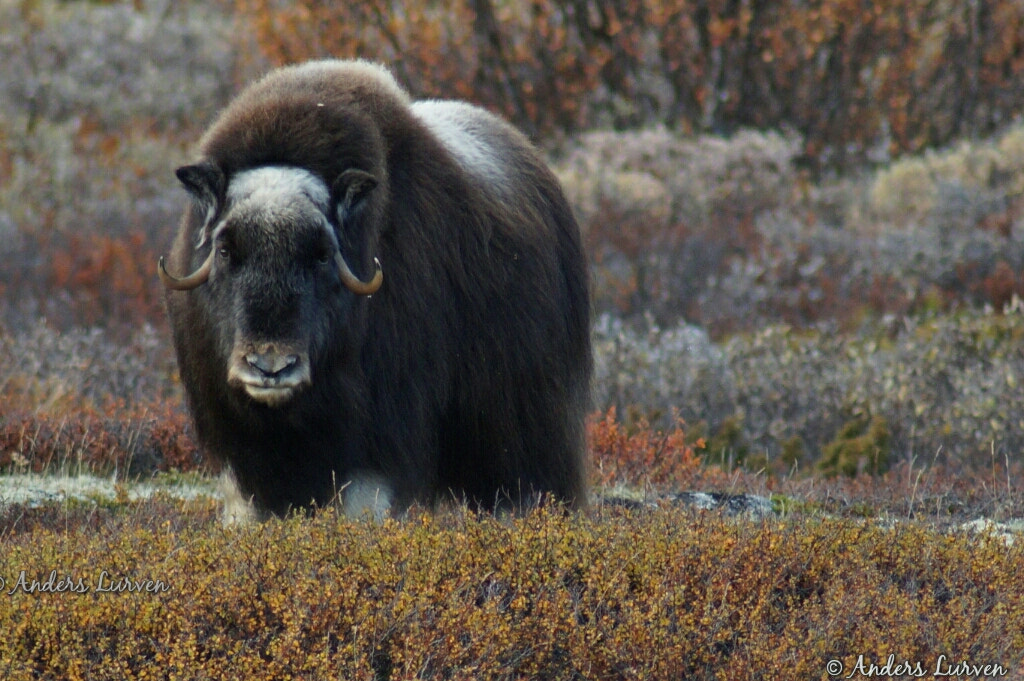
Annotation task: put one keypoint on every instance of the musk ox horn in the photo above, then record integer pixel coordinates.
(189, 282)
(353, 283)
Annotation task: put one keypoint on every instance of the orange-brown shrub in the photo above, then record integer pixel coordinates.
(848, 74)
(89, 208)
(641, 455)
(135, 440)
(110, 279)
(528, 60)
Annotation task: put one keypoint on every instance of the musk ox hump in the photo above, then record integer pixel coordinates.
(356, 73)
(467, 132)
(324, 115)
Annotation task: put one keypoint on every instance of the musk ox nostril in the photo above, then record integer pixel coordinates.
(271, 364)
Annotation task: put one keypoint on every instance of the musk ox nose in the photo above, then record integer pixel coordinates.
(271, 364)
(269, 373)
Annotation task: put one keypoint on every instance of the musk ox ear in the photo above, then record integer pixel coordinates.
(206, 182)
(351, 187)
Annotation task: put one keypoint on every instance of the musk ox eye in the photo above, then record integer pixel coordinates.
(224, 253)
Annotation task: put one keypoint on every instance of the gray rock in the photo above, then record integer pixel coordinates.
(730, 504)
(750, 505)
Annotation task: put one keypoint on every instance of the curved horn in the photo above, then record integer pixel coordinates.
(189, 282)
(353, 283)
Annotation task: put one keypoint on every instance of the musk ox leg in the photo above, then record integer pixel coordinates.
(367, 495)
(238, 509)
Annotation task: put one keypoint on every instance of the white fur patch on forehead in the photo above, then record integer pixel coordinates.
(278, 187)
(464, 130)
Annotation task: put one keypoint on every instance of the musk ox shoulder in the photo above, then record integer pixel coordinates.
(378, 300)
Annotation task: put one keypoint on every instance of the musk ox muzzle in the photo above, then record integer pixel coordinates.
(271, 373)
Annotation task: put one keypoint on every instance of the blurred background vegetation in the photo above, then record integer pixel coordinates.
(804, 219)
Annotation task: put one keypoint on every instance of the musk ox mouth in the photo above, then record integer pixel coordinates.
(269, 374)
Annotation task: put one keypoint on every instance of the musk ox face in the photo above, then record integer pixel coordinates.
(274, 277)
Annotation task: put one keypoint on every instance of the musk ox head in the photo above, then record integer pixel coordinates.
(273, 273)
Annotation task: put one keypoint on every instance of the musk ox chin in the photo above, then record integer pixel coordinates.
(378, 300)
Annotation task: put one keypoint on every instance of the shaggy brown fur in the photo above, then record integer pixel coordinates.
(466, 375)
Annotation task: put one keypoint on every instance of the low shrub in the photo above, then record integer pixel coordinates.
(88, 400)
(128, 442)
(640, 455)
(731, 234)
(45, 368)
(649, 595)
(115, 62)
(947, 387)
(99, 102)
(860, 446)
(662, 213)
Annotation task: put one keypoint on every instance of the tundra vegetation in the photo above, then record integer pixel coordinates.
(805, 226)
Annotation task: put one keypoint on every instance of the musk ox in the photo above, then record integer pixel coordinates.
(378, 299)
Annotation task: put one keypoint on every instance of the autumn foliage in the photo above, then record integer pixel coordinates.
(641, 455)
(110, 279)
(849, 75)
(727, 230)
(127, 440)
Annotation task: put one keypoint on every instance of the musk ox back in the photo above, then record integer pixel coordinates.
(380, 299)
